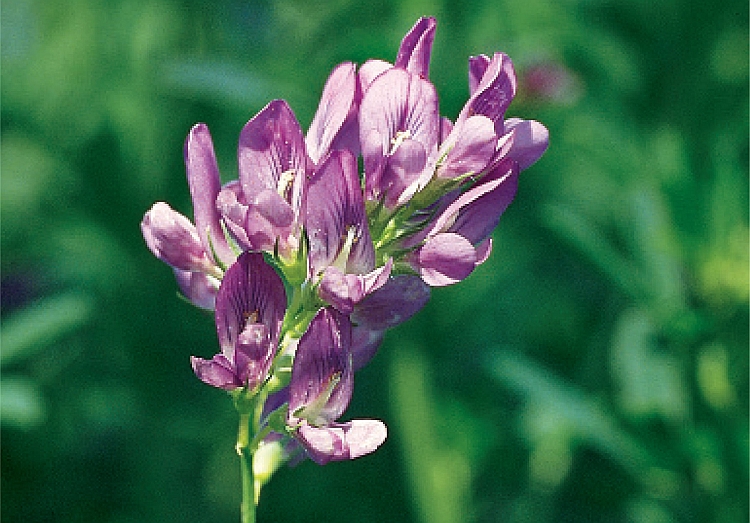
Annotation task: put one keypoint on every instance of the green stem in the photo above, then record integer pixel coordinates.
(246, 467)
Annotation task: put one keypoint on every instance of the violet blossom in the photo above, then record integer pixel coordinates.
(342, 255)
(458, 239)
(357, 252)
(320, 391)
(250, 307)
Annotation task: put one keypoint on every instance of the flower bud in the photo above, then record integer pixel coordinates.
(174, 240)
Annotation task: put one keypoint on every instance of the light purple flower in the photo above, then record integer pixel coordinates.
(320, 391)
(173, 239)
(264, 208)
(203, 179)
(492, 84)
(198, 287)
(341, 251)
(458, 239)
(335, 124)
(250, 307)
(399, 131)
(196, 252)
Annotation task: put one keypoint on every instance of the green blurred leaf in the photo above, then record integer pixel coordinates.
(220, 82)
(34, 328)
(556, 406)
(650, 381)
(439, 475)
(21, 403)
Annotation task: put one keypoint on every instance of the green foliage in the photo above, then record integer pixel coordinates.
(594, 369)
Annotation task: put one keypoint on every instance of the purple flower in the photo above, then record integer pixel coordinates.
(416, 47)
(320, 391)
(173, 239)
(203, 179)
(341, 250)
(250, 307)
(458, 239)
(265, 207)
(492, 84)
(196, 252)
(399, 128)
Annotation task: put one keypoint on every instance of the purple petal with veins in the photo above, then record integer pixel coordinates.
(470, 147)
(251, 292)
(322, 376)
(203, 179)
(416, 47)
(335, 217)
(398, 107)
(336, 102)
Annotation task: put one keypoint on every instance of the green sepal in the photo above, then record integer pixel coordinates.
(244, 399)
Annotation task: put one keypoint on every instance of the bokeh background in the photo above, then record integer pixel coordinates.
(595, 369)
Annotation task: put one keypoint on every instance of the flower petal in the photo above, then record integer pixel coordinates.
(397, 106)
(477, 67)
(172, 238)
(344, 291)
(203, 179)
(494, 92)
(445, 259)
(470, 146)
(530, 142)
(253, 355)
(336, 102)
(365, 343)
(395, 302)
(198, 287)
(216, 372)
(335, 214)
(483, 205)
(342, 441)
(272, 154)
(416, 47)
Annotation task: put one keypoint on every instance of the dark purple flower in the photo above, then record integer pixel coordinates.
(320, 391)
(458, 239)
(250, 307)
(341, 252)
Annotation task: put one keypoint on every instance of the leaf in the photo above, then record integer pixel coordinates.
(37, 326)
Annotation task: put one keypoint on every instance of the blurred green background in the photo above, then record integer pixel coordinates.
(595, 369)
